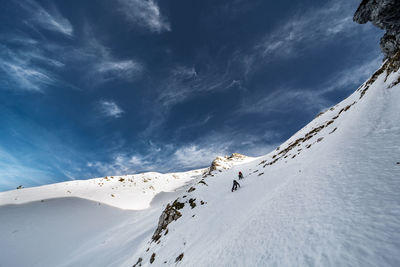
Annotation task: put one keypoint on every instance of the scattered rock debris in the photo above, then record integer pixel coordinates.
(179, 258)
(285, 152)
(152, 258)
(203, 182)
(192, 202)
(138, 263)
(191, 189)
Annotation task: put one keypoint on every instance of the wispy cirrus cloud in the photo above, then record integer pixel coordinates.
(100, 64)
(120, 164)
(32, 62)
(312, 99)
(50, 19)
(185, 82)
(124, 69)
(170, 159)
(311, 28)
(285, 100)
(20, 71)
(25, 64)
(110, 108)
(167, 157)
(14, 172)
(145, 13)
(349, 79)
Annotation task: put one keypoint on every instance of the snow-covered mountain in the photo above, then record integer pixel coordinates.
(96, 222)
(328, 196)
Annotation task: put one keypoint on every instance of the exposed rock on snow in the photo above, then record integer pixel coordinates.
(384, 14)
(328, 196)
(170, 213)
(224, 163)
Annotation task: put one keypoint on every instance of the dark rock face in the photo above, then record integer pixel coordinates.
(169, 214)
(384, 14)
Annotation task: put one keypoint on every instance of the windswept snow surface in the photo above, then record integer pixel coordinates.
(96, 222)
(329, 196)
(133, 192)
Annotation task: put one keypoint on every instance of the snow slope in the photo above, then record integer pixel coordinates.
(134, 192)
(96, 222)
(329, 196)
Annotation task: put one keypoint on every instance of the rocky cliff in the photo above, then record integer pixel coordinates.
(384, 14)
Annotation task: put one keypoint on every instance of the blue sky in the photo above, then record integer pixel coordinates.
(95, 88)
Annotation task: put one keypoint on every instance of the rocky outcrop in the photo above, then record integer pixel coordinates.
(226, 162)
(169, 214)
(384, 14)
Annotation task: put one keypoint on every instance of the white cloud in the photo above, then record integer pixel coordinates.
(285, 100)
(310, 28)
(185, 82)
(165, 158)
(199, 154)
(21, 72)
(194, 156)
(289, 99)
(121, 164)
(102, 64)
(145, 13)
(126, 69)
(184, 72)
(50, 20)
(14, 172)
(136, 160)
(353, 77)
(110, 109)
(28, 66)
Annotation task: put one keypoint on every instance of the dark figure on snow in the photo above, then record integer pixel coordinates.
(235, 185)
(240, 175)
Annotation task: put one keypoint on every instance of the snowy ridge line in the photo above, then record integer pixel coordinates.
(134, 192)
(336, 203)
(131, 192)
(390, 66)
(182, 231)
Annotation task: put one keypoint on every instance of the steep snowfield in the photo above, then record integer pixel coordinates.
(329, 196)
